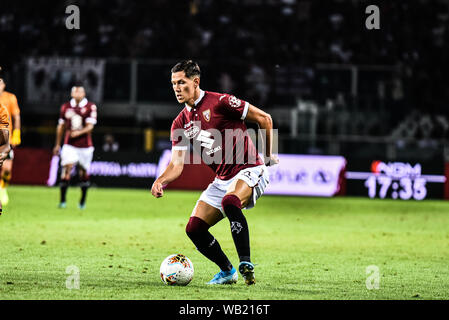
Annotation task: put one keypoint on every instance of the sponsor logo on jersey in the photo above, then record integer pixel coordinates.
(77, 122)
(204, 138)
(191, 132)
(188, 124)
(206, 115)
(212, 151)
(69, 113)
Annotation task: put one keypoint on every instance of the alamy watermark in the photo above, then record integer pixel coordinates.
(73, 280)
(373, 20)
(373, 280)
(73, 20)
(214, 147)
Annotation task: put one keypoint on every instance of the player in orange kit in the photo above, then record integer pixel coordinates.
(9, 100)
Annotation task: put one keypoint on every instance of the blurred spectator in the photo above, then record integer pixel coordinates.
(265, 33)
(256, 80)
(110, 145)
(226, 84)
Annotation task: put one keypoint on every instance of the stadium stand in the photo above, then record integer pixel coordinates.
(279, 58)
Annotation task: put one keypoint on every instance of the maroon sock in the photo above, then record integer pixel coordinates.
(198, 231)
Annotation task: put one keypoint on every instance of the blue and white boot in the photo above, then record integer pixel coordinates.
(225, 277)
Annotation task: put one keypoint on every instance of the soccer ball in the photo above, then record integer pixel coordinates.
(177, 270)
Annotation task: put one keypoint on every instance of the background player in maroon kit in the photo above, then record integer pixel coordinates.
(241, 176)
(76, 122)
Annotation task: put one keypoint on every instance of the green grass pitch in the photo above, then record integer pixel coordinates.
(304, 248)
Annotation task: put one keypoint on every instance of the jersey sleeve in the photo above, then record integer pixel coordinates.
(177, 137)
(14, 105)
(62, 115)
(232, 107)
(92, 118)
(4, 117)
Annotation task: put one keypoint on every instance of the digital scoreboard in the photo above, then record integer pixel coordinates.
(396, 180)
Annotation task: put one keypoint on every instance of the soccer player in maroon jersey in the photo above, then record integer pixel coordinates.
(76, 122)
(214, 123)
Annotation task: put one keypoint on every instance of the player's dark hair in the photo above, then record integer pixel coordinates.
(78, 84)
(190, 68)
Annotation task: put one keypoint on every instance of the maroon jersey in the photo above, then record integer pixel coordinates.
(75, 117)
(216, 129)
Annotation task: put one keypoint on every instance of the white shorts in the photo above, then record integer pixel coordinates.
(255, 177)
(72, 155)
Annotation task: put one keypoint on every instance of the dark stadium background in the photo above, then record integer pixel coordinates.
(362, 94)
(363, 124)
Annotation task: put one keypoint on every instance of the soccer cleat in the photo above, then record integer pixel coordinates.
(247, 271)
(225, 277)
(4, 196)
(62, 205)
(82, 206)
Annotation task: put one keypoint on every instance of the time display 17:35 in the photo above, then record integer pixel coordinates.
(404, 188)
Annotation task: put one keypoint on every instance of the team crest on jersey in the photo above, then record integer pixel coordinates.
(234, 102)
(206, 115)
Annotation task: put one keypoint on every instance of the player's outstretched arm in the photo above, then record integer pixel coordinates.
(171, 173)
(59, 132)
(265, 122)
